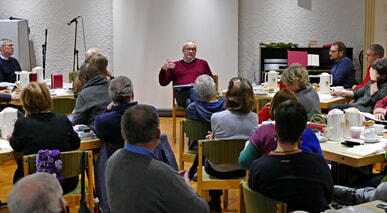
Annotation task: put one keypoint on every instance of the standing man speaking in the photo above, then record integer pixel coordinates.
(184, 72)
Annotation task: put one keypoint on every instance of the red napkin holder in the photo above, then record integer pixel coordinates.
(56, 81)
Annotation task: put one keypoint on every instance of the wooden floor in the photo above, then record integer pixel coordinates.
(7, 169)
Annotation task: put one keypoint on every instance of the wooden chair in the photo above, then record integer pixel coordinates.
(71, 167)
(218, 151)
(195, 131)
(254, 202)
(180, 110)
(63, 105)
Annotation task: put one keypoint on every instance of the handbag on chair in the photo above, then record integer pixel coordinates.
(82, 203)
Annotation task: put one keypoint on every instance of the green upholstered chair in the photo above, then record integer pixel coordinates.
(255, 202)
(218, 151)
(194, 130)
(71, 167)
(63, 105)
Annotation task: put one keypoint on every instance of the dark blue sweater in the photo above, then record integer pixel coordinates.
(8, 68)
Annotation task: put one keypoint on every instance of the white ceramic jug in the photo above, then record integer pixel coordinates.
(325, 83)
(7, 121)
(272, 79)
(39, 72)
(335, 125)
(24, 78)
(353, 117)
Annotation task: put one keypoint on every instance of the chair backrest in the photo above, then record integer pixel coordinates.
(216, 80)
(71, 163)
(222, 151)
(195, 130)
(63, 105)
(255, 202)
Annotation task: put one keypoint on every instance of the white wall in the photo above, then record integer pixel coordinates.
(381, 23)
(291, 21)
(147, 32)
(53, 16)
(258, 21)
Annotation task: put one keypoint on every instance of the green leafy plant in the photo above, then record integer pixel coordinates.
(279, 44)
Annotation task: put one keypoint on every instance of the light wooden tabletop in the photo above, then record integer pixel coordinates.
(6, 152)
(334, 151)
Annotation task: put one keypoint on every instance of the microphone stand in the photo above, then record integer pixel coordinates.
(75, 47)
(44, 49)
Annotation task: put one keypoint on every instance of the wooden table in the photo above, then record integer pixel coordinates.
(60, 93)
(368, 206)
(341, 174)
(333, 151)
(326, 100)
(7, 154)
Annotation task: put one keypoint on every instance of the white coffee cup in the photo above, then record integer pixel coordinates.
(370, 136)
(356, 132)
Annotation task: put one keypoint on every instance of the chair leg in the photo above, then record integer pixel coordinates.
(3, 204)
(225, 198)
(174, 127)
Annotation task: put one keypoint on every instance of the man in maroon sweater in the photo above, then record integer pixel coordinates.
(184, 72)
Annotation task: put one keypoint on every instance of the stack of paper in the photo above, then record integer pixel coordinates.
(365, 150)
(313, 60)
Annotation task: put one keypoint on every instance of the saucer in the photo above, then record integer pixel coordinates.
(375, 140)
(260, 93)
(322, 138)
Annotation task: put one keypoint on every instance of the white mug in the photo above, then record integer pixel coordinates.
(370, 136)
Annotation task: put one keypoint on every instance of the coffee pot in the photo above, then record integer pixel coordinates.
(272, 79)
(39, 73)
(24, 79)
(353, 117)
(7, 121)
(325, 83)
(335, 125)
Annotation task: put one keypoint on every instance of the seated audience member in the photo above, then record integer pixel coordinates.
(367, 96)
(150, 185)
(374, 51)
(93, 98)
(38, 192)
(202, 110)
(343, 71)
(107, 127)
(89, 54)
(299, 178)
(8, 64)
(236, 122)
(101, 62)
(296, 79)
(380, 109)
(42, 129)
(6, 97)
(350, 196)
(183, 72)
(263, 141)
